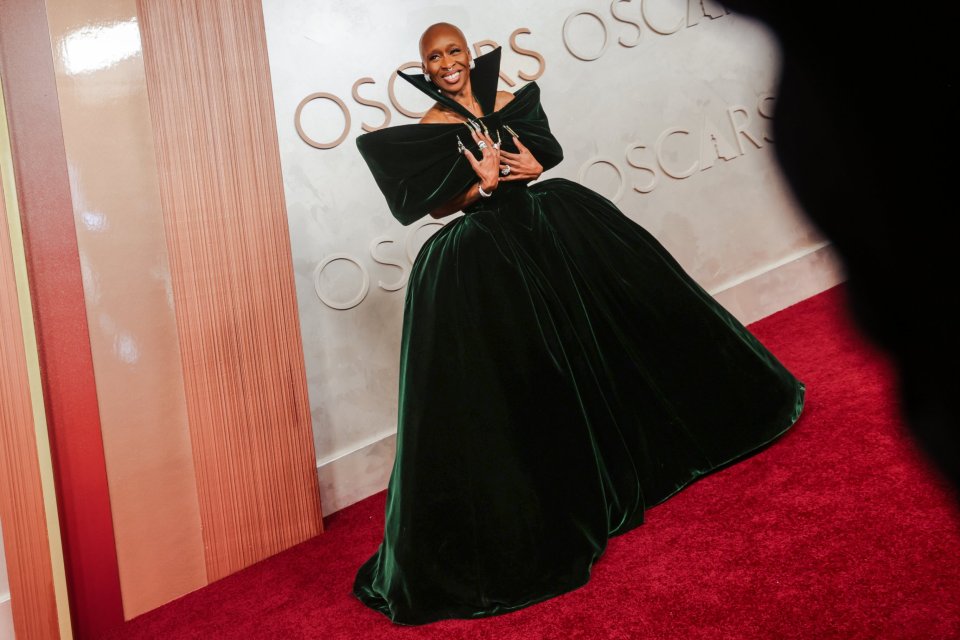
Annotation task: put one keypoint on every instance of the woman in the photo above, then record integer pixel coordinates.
(560, 372)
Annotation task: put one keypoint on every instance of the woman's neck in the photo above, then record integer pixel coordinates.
(466, 99)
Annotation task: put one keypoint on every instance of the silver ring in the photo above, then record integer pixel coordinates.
(481, 145)
(505, 171)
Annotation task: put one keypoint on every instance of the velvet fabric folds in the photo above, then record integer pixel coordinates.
(559, 374)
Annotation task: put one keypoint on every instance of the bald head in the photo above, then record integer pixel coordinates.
(438, 33)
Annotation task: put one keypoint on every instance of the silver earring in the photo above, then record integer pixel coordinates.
(426, 77)
(472, 64)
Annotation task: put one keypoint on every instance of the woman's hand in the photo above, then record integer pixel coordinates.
(488, 167)
(522, 165)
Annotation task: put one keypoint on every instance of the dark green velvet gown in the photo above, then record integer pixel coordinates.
(559, 374)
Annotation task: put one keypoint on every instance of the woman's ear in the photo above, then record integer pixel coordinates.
(472, 63)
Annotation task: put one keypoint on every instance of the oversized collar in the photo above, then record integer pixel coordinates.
(484, 78)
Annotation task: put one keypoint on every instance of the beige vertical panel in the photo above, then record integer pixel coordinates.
(108, 139)
(31, 534)
(223, 202)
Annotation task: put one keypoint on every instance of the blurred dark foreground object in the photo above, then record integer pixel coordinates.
(865, 131)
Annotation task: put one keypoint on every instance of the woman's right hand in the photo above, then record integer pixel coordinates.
(488, 167)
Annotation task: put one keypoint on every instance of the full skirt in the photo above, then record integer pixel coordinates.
(560, 373)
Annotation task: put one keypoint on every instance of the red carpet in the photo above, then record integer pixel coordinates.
(840, 529)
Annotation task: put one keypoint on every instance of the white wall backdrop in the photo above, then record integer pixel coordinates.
(668, 117)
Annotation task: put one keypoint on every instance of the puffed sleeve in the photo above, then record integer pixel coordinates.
(525, 115)
(417, 167)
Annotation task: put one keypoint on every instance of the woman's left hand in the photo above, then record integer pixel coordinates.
(522, 165)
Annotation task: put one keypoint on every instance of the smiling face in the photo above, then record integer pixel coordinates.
(445, 57)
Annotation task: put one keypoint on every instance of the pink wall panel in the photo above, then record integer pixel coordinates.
(108, 139)
(69, 390)
(226, 227)
(21, 493)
